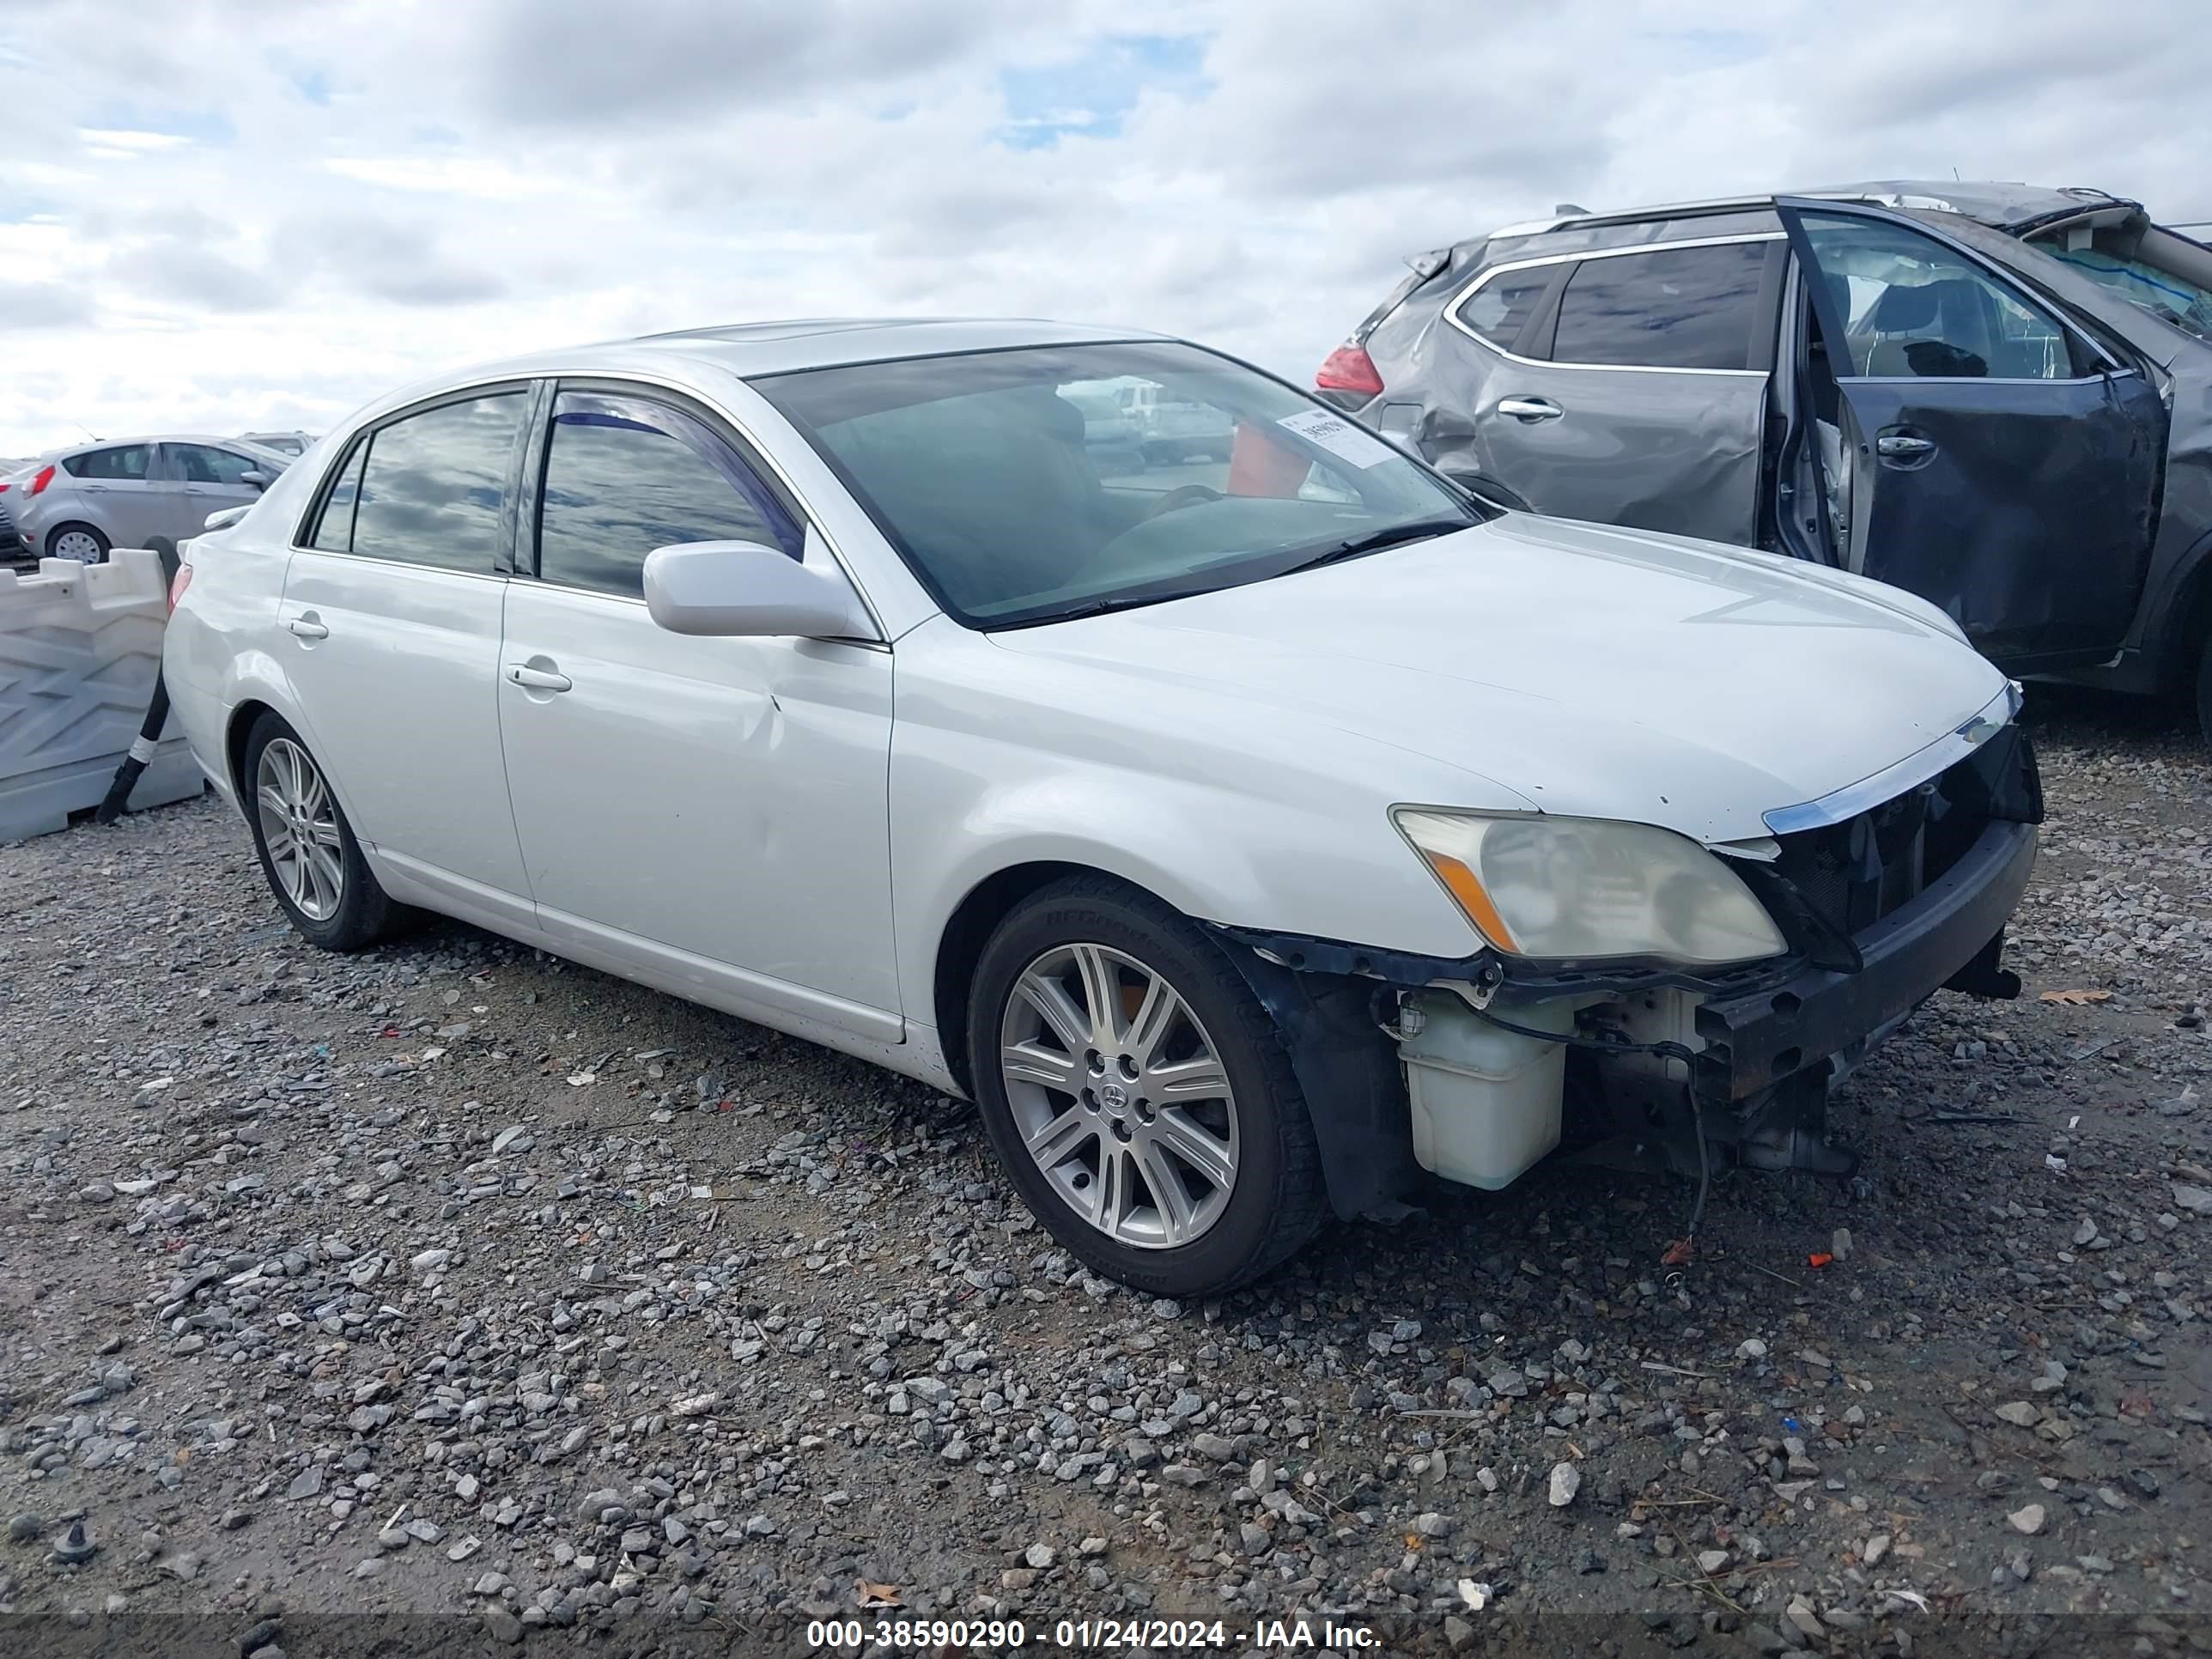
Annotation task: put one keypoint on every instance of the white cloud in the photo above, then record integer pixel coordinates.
(321, 202)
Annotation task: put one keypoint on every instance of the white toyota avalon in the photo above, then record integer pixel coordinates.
(1248, 826)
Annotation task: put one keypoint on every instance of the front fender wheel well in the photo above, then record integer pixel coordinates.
(2189, 630)
(969, 929)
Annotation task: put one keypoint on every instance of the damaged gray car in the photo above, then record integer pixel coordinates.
(1998, 397)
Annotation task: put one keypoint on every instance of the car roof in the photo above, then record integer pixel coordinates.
(74, 450)
(1999, 205)
(755, 349)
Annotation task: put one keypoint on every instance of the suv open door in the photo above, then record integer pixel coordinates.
(1995, 458)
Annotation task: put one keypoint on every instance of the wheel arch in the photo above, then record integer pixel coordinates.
(2188, 622)
(969, 928)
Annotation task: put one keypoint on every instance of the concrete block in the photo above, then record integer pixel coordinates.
(79, 647)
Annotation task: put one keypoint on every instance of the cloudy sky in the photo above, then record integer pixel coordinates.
(219, 216)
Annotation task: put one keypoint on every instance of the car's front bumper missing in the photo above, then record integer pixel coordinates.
(1756, 1039)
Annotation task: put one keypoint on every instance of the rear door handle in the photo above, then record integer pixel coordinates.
(308, 628)
(1530, 408)
(1902, 445)
(538, 679)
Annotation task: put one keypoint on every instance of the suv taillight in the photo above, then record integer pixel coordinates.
(1349, 368)
(178, 584)
(46, 476)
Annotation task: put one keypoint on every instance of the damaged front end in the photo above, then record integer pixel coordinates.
(1474, 1069)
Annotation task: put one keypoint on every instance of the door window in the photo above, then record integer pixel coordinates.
(202, 464)
(626, 475)
(435, 484)
(333, 532)
(1679, 307)
(1502, 306)
(1912, 308)
(125, 462)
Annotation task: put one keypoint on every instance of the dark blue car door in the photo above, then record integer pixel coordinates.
(2000, 461)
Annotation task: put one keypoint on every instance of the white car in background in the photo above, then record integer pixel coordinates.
(1242, 852)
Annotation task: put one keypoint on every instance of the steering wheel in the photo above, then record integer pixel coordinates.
(1181, 495)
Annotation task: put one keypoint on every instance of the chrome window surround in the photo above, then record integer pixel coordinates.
(1460, 299)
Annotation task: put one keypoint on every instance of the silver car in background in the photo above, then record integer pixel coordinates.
(79, 502)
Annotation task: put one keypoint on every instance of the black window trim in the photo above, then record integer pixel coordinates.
(1546, 316)
(529, 544)
(310, 520)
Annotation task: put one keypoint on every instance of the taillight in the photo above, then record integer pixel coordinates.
(178, 584)
(46, 476)
(1349, 368)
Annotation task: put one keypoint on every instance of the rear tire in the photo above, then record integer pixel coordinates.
(1185, 1088)
(75, 534)
(308, 854)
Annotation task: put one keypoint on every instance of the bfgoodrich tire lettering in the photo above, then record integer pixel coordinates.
(1165, 1144)
(308, 854)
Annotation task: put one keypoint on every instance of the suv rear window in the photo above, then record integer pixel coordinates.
(1681, 308)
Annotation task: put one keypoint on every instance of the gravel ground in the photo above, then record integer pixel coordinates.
(449, 1281)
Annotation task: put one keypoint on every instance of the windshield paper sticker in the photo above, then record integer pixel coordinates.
(1340, 437)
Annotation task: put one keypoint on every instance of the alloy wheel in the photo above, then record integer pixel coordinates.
(1119, 1093)
(299, 827)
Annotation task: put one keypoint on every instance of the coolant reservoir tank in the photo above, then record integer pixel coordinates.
(1485, 1101)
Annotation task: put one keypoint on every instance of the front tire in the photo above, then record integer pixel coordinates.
(1136, 1094)
(308, 854)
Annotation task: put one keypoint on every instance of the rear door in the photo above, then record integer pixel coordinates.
(121, 492)
(392, 614)
(1632, 388)
(2001, 463)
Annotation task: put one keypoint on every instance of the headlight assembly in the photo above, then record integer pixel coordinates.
(1585, 888)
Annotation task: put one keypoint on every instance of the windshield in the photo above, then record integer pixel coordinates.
(2171, 298)
(1030, 485)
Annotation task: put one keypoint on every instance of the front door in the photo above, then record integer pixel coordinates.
(391, 621)
(1996, 459)
(714, 808)
(1636, 394)
(198, 479)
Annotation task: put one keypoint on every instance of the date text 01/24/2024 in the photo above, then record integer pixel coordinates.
(1079, 1635)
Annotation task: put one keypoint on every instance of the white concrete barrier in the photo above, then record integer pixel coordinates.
(79, 647)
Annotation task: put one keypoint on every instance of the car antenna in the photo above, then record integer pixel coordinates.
(87, 430)
(1568, 207)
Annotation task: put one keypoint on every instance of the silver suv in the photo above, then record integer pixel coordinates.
(1996, 396)
(140, 492)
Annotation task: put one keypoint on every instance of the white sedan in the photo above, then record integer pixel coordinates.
(1245, 837)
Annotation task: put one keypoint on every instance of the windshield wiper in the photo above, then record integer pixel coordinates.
(1421, 530)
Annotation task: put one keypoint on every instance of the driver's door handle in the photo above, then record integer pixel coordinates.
(1530, 408)
(1902, 445)
(538, 679)
(307, 628)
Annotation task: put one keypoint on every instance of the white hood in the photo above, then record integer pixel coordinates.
(1591, 671)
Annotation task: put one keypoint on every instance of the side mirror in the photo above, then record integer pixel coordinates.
(226, 517)
(258, 479)
(748, 589)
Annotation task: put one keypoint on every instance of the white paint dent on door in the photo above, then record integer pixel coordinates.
(715, 807)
